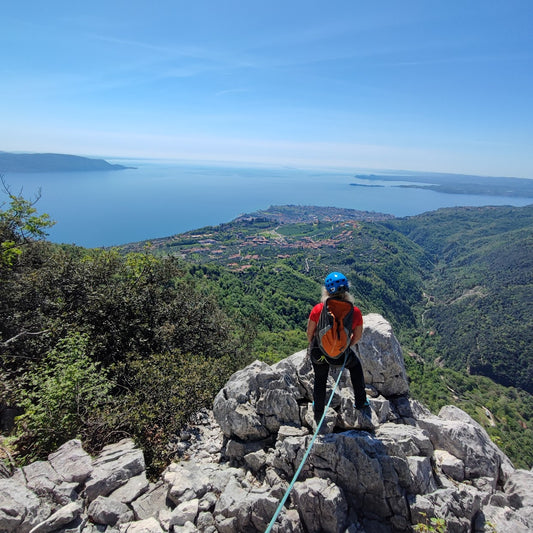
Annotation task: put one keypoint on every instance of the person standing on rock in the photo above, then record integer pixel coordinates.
(336, 288)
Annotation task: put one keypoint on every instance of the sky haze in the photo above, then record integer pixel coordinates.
(430, 85)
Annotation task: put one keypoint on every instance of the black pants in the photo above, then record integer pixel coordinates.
(321, 366)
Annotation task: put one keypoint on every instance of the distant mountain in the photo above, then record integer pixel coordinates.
(457, 184)
(10, 162)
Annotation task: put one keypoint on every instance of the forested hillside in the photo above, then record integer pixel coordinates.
(456, 285)
(480, 289)
(104, 343)
(100, 345)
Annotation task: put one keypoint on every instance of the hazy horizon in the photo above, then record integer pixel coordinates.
(426, 86)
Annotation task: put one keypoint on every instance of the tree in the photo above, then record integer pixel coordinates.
(20, 225)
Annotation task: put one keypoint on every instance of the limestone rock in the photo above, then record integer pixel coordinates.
(457, 433)
(114, 467)
(63, 516)
(457, 507)
(185, 512)
(405, 440)
(71, 462)
(20, 508)
(132, 489)
(369, 477)
(494, 518)
(381, 357)
(154, 500)
(321, 505)
(421, 475)
(519, 488)
(149, 525)
(239, 509)
(255, 402)
(450, 465)
(109, 512)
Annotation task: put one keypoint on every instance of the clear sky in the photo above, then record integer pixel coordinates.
(417, 85)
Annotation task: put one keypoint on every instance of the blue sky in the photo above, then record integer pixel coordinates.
(418, 85)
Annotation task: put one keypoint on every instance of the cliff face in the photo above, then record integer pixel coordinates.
(399, 468)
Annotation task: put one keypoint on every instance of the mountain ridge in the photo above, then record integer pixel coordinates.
(52, 162)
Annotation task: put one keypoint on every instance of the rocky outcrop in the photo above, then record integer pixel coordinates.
(384, 473)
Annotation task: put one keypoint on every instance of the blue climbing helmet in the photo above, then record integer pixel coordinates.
(336, 282)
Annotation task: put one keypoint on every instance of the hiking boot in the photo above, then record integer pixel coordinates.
(328, 423)
(324, 430)
(364, 416)
(362, 406)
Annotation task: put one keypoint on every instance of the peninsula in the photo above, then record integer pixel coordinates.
(455, 184)
(20, 162)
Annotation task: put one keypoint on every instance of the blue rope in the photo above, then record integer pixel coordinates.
(297, 473)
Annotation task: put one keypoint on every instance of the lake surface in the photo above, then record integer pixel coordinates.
(159, 199)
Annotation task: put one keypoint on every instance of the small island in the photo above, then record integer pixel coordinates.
(19, 163)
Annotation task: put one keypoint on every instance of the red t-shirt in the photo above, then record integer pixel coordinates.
(357, 315)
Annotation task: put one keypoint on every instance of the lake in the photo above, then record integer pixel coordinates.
(159, 199)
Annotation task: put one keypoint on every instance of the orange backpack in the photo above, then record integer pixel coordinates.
(334, 327)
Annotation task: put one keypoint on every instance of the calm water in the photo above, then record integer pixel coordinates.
(160, 199)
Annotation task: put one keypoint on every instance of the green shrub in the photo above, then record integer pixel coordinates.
(161, 394)
(63, 392)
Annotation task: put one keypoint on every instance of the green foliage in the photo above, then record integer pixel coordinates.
(273, 346)
(436, 525)
(63, 392)
(162, 393)
(480, 288)
(57, 300)
(19, 225)
(506, 413)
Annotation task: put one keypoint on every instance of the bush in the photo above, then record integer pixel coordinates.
(63, 393)
(162, 392)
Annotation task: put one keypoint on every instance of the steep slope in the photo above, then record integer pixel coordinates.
(481, 288)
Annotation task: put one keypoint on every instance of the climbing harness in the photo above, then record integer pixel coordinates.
(297, 473)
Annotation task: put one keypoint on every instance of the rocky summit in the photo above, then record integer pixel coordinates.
(387, 470)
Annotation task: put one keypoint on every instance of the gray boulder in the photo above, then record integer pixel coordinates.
(457, 507)
(321, 505)
(150, 503)
(131, 490)
(241, 509)
(149, 525)
(71, 462)
(457, 433)
(109, 512)
(450, 465)
(381, 357)
(114, 467)
(45, 481)
(256, 401)
(496, 518)
(519, 488)
(20, 508)
(63, 516)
